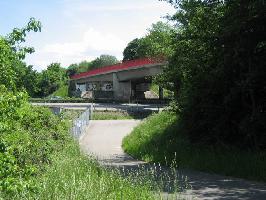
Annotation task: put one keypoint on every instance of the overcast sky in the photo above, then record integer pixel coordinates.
(76, 30)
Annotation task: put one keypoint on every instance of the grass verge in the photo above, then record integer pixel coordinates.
(75, 176)
(159, 139)
(110, 115)
(119, 115)
(70, 174)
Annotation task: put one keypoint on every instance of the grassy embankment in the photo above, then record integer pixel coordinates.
(68, 173)
(73, 175)
(62, 91)
(110, 115)
(119, 115)
(159, 139)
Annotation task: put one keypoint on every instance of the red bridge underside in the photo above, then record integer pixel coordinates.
(118, 67)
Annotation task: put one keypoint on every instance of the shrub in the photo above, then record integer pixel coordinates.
(28, 136)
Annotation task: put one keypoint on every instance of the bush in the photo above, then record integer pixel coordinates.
(28, 137)
(160, 138)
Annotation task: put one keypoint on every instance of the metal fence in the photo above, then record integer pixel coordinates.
(80, 124)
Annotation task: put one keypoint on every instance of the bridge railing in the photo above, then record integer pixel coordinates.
(80, 124)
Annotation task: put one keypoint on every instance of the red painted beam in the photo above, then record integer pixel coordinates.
(118, 67)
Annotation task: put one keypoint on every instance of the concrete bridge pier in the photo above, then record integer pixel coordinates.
(121, 89)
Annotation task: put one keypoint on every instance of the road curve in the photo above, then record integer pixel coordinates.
(104, 139)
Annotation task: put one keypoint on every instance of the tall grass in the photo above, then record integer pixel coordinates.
(75, 176)
(159, 139)
(71, 174)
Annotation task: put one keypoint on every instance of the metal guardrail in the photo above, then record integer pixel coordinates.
(80, 124)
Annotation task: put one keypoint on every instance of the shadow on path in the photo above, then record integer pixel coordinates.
(104, 137)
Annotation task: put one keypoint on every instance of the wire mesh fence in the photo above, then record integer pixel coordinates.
(80, 124)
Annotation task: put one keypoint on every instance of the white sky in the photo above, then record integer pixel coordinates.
(76, 30)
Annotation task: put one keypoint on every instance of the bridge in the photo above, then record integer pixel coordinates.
(124, 81)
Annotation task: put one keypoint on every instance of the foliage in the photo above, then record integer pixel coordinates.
(72, 70)
(159, 39)
(157, 42)
(28, 137)
(18, 36)
(160, 138)
(166, 93)
(8, 59)
(135, 49)
(102, 61)
(15, 74)
(217, 70)
(51, 79)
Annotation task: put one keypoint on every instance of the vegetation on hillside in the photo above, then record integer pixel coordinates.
(38, 157)
(216, 52)
(218, 71)
(160, 138)
(73, 175)
(28, 135)
(62, 91)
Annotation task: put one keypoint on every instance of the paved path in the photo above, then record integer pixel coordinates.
(104, 137)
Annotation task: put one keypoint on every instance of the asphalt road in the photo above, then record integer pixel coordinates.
(104, 137)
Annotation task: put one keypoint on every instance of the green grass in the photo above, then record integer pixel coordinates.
(70, 114)
(119, 115)
(159, 139)
(166, 93)
(75, 176)
(110, 115)
(62, 91)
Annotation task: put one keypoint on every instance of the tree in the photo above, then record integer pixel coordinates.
(135, 49)
(156, 43)
(51, 79)
(217, 70)
(29, 79)
(103, 60)
(8, 59)
(17, 36)
(72, 70)
(159, 40)
(12, 54)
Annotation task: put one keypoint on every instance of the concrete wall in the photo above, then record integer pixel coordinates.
(122, 90)
(121, 80)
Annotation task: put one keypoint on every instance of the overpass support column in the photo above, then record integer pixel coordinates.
(160, 92)
(116, 86)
